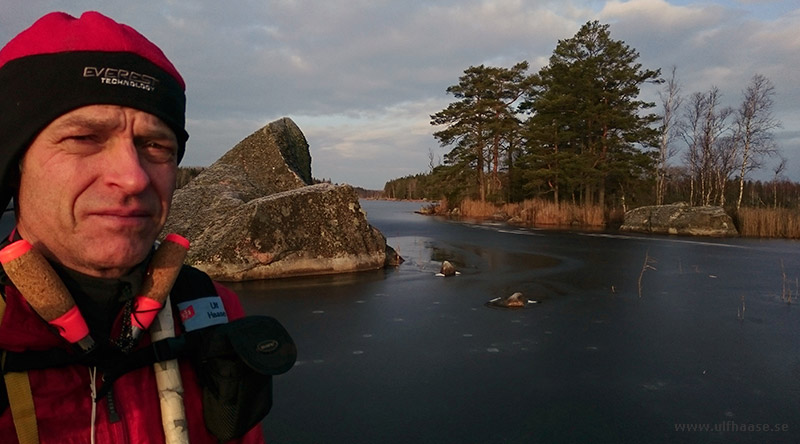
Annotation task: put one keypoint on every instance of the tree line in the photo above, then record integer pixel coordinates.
(577, 131)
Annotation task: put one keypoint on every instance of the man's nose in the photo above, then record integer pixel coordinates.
(124, 167)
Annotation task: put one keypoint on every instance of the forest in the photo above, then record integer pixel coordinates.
(577, 132)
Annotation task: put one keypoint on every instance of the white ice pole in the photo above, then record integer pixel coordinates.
(168, 380)
(164, 269)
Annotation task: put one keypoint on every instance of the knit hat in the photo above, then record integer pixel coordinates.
(62, 63)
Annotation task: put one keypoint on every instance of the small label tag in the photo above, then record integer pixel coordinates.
(187, 313)
(203, 312)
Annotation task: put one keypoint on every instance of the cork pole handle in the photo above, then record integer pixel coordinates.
(45, 292)
(161, 276)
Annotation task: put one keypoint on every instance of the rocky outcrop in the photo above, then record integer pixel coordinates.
(252, 214)
(680, 219)
(272, 159)
(293, 147)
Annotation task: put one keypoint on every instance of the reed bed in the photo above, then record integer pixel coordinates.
(769, 222)
(536, 213)
(752, 222)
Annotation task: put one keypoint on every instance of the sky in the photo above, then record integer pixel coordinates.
(362, 77)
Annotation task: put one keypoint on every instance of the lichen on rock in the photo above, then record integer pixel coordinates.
(254, 215)
(680, 219)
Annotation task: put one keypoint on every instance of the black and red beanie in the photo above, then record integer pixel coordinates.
(62, 63)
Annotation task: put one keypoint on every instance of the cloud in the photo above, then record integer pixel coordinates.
(361, 143)
(361, 77)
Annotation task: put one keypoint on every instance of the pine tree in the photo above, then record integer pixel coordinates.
(586, 122)
(482, 125)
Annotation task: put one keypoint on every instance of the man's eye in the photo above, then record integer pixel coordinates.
(159, 153)
(81, 143)
(82, 138)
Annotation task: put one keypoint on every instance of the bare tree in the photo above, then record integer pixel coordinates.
(704, 130)
(725, 163)
(706, 133)
(778, 170)
(715, 157)
(671, 102)
(431, 164)
(754, 126)
(690, 131)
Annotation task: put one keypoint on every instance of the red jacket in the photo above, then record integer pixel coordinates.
(62, 396)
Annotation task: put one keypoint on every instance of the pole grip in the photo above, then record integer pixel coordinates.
(161, 275)
(39, 284)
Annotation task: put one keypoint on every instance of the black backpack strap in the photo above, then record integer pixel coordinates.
(191, 284)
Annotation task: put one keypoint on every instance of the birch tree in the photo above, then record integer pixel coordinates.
(754, 126)
(706, 132)
(670, 101)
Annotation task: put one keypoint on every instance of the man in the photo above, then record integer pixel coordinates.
(91, 133)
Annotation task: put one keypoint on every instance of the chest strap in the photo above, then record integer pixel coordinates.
(113, 364)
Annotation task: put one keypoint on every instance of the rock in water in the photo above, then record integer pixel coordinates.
(680, 219)
(252, 214)
(393, 258)
(516, 300)
(447, 269)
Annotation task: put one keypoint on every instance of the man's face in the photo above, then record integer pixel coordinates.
(96, 186)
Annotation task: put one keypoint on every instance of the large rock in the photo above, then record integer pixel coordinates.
(272, 159)
(251, 215)
(680, 219)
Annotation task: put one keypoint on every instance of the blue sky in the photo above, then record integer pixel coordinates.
(362, 77)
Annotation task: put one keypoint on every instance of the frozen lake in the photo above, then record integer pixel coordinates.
(399, 356)
(402, 356)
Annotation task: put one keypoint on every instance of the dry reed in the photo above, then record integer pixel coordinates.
(536, 213)
(740, 310)
(753, 222)
(786, 292)
(647, 265)
(769, 222)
